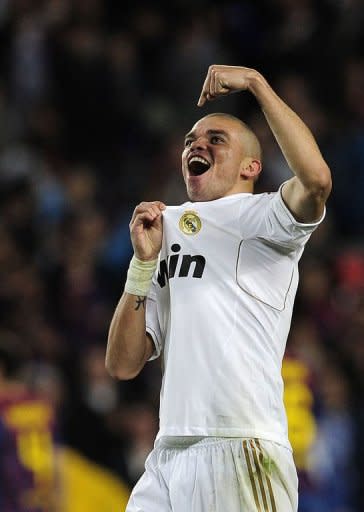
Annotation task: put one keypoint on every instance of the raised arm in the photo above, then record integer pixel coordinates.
(306, 193)
(128, 346)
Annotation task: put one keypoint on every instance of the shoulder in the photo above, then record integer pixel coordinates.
(233, 206)
(226, 201)
(256, 203)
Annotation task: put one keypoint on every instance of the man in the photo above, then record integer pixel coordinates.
(28, 480)
(218, 308)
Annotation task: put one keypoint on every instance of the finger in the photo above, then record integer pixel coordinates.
(156, 210)
(222, 85)
(202, 98)
(144, 206)
(140, 210)
(204, 92)
(205, 89)
(211, 98)
(157, 223)
(216, 83)
(141, 207)
(137, 209)
(142, 219)
(160, 205)
(212, 90)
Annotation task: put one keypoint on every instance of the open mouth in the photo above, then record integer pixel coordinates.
(198, 165)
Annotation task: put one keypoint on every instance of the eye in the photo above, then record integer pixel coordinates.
(216, 139)
(188, 142)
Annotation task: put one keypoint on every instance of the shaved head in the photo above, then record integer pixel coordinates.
(251, 143)
(221, 157)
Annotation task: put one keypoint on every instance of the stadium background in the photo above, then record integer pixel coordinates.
(95, 96)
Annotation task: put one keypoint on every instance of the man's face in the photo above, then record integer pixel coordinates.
(212, 159)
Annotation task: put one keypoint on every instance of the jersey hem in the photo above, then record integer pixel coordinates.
(292, 217)
(157, 347)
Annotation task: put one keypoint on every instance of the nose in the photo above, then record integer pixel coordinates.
(199, 143)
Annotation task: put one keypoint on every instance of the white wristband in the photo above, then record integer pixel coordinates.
(140, 276)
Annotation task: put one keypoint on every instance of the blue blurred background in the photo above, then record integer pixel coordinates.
(95, 96)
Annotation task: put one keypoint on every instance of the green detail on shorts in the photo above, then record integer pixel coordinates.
(268, 464)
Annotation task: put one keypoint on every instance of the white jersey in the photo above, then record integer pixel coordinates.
(219, 311)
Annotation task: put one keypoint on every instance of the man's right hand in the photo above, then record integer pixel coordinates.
(146, 230)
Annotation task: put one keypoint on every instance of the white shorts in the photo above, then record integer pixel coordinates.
(216, 475)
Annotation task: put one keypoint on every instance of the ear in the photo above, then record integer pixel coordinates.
(250, 168)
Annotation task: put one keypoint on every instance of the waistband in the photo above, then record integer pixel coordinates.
(181, 442)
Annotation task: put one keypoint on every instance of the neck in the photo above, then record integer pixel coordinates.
(245, 186)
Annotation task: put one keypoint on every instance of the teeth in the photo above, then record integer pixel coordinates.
(199, 159)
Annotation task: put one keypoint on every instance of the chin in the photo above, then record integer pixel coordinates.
(194, 198)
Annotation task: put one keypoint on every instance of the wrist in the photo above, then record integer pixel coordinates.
(140, 275)
(144, 259)
(256, 83)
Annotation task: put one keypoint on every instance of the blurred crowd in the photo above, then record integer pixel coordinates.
(95, 96)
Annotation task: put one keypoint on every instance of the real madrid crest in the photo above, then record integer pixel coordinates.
(190, 223)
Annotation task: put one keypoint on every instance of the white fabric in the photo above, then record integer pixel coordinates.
(234, 475)
(223, 335)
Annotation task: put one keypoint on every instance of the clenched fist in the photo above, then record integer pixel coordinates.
(146, 230)
(224, 80)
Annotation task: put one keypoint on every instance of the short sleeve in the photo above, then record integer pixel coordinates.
(152, 322)
(281, 227)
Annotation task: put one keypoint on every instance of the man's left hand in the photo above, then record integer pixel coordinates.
(224, 80)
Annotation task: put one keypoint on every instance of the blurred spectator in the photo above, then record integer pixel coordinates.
(27, 437)
(140, 430)
(332, 475)
(88, 425)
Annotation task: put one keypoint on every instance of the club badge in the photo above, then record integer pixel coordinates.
(190, 223)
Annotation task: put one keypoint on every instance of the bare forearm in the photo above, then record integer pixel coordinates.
(127, 347)
(305, 193)
(293, 136)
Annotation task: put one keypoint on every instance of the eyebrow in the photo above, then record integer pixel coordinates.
(209, 132)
